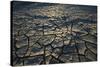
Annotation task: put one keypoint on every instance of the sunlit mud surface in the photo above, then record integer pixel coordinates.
(45, 33)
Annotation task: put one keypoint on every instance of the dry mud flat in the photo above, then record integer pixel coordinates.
(53, 33)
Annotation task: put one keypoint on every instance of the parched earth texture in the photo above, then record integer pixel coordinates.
(48, 33)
